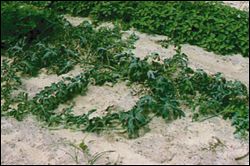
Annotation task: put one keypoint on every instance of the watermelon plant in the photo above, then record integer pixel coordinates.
(33, 23)
(104, 57)
(210, 25)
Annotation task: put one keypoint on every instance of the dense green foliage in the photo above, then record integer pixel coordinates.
(18, 21)
(211, 25)
(105, 57)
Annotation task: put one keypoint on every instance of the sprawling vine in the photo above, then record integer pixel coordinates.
(105, 57)
(211, 25)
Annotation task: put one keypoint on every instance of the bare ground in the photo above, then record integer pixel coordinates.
(241, 5)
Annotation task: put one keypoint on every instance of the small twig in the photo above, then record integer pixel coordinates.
(213, 116)
(241, 157)
(209, 117)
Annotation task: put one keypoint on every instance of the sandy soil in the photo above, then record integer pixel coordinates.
(242, 5)
(118, 97)
(179, 142)
(75, 21)
(36, 84)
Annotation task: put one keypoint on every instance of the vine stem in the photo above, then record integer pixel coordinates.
(241, 157)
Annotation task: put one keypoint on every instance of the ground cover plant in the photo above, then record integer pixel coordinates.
(105, 57)
(211, 25)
